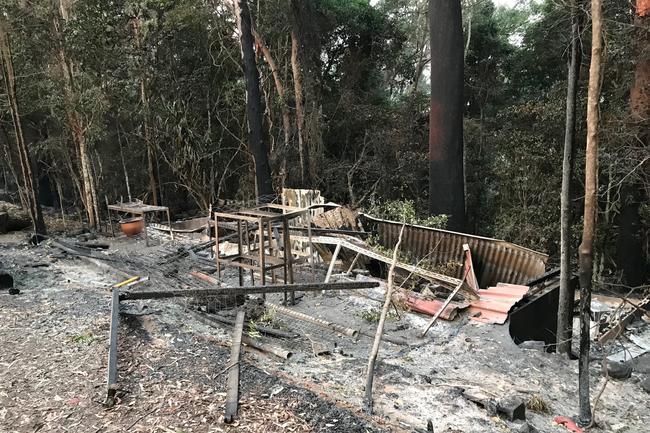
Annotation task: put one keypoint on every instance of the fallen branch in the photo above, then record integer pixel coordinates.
(380, 327)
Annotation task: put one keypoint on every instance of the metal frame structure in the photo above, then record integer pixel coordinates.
(263, 223)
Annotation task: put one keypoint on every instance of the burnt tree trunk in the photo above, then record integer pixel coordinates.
(303, 151)
(306, 52)
(446, 174)
(565, 307)
(630, 257)
(586, 250)
(284, 106)
(253, 104)
(30, 185)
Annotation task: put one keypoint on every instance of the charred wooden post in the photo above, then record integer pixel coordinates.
(232, 396)
(111, 382)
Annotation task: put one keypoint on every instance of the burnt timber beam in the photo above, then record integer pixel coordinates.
(246, 290)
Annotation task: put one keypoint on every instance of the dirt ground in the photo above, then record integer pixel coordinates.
(54, 348)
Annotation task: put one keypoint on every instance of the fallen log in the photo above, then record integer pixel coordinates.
(232, 395)
(248, 341)
(13, 217)
(266, 348)
(314, 320)
(246, 290)
(100, 262)
(213, 319)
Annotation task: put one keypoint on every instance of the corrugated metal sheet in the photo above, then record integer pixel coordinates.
(494, 260)
(432, 307)
(495, 303)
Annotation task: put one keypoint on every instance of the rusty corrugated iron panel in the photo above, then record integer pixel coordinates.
(432, 307)
(495, 303)
(494, 260)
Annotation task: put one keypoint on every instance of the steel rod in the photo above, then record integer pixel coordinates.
(229, 291)
(232, 395)
(111, 382)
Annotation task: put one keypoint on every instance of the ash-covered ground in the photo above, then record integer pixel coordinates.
(53, 360)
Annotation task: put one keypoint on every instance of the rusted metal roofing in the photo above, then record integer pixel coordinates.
(494, 303)
(494, 260)
(432, 307)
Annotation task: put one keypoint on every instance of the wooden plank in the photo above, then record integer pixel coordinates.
(332, 263)
(236, 217)
(447, 281)
(232, 395)
(111, 380)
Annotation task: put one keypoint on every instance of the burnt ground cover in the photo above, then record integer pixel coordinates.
(53, 361)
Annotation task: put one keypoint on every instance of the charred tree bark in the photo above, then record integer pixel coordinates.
(306, 52)
(30, 184)
(630, 257)
(284, 107)
(565, 307)
(303, 151)
(586, 250)
(446, 174)
(253, 103)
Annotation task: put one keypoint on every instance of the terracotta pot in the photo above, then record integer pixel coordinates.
(132, 226)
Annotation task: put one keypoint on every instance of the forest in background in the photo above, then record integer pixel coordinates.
(146, 99)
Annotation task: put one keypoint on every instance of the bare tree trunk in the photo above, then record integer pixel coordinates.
(30, 184)
(565, 307)
(12, 168)
(253, 103)
(152, 158)
(279, 87)
(586, 250)
(446, 174)
(303, 152)
(126, 173)
(75, 121)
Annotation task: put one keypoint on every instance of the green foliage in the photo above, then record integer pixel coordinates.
(253, 332)
(373, 314)
(83, 339)
(404, 211)
(366, 93)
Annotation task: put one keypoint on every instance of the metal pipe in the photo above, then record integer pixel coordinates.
(111, 380)
(246, 290)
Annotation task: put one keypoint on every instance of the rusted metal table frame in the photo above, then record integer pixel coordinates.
(262, 221)
(141, 210)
